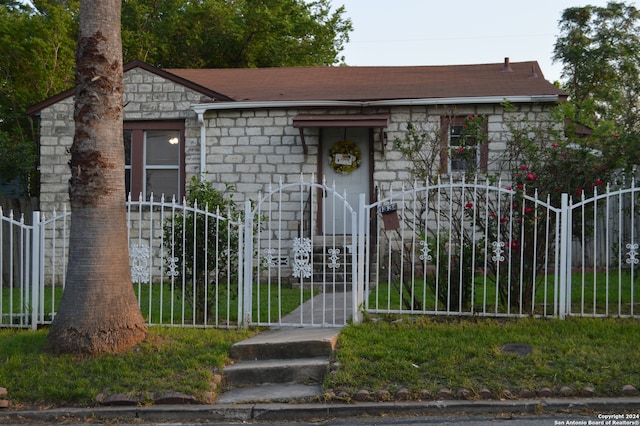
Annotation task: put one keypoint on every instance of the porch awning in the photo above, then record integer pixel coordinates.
(377, 121)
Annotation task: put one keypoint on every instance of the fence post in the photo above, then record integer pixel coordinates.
(565, 244)
(35, 276)
(244, 297)
(358, 291)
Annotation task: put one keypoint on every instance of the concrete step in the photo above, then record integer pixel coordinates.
(284, 392)
(248, 373)
(279, 365)
(287, 343)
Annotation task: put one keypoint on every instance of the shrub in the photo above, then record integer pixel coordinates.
(204, 247)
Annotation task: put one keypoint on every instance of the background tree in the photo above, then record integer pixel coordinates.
(98, 312)
(38, 38)
(599, 48)
(37, 45)
(233, 34)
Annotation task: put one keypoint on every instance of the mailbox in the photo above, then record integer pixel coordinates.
(390, 216)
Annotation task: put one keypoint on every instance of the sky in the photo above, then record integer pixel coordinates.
(453, 32)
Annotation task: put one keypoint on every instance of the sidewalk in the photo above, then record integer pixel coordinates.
(321, 411)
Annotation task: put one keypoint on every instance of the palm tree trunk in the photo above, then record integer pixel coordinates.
(98, 312)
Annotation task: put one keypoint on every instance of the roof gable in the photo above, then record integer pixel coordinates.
(212, 94)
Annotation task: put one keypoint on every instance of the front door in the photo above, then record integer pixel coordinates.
(345, 163)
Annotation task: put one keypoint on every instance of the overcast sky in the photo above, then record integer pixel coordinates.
(437, 32)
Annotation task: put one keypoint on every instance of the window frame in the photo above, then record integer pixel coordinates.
(482, 149)
(138, 167)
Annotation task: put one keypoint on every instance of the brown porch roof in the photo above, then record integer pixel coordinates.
(379, 121)
(341, 120)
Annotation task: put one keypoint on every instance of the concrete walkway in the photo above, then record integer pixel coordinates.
(323, 310)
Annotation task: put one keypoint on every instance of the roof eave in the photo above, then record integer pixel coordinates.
(201, 108)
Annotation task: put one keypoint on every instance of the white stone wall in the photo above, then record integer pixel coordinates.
(249, 149)
(147, 97)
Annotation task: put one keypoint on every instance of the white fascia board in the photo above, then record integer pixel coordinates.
(202, 108)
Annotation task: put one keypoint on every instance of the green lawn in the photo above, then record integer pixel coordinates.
(170, 359)
(430, 353)
(387, 353)
(160, 308)
(615, 295)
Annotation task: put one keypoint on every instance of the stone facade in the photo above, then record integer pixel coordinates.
(247, 148)
(147, 97)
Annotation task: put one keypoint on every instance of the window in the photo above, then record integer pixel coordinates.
(464, 149)
(154, 162)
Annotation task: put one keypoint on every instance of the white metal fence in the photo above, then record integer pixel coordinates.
(455, 248)
(472, 248)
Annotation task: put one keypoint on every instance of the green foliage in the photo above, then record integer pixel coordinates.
(204, 247)
(540, 157)
(233, 34)
(17, 161)
(599, 48)
(37, 48)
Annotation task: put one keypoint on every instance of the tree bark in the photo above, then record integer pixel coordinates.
(98, 312)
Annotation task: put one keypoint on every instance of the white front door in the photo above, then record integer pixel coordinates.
(345, 163)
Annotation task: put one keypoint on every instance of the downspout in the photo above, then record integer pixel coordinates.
(203, 144)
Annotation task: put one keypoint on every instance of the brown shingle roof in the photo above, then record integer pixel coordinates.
(372, 83)
(352, 83)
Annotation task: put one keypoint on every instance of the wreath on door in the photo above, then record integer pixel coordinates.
(344, 157)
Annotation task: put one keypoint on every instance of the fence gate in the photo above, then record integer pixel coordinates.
(295, 275)
(603, 274)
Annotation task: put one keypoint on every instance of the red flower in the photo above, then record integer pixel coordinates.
(598, 182)
(460, 150)
(468, 205)
(523, 167)
(579, 191)
(493, 215)
(555, 144)
(469, 117)
(503, 220)
(520, 186)
(528, 209)
(531, 176)
(508, 188)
